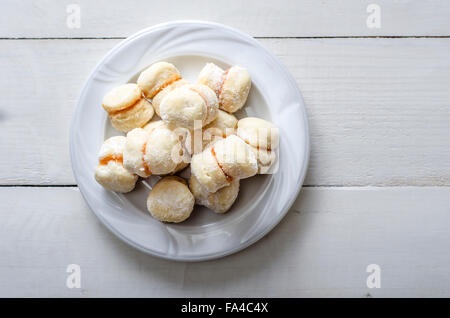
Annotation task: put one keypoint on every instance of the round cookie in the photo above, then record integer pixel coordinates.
(187, 104)
(220, 201)
(258, 132)
(235, 157)
(231, 86)
(156, 77)
(221, 127)
(157, 99)
(110, 173)
(170, 200)
(126, 107)
(205, 168)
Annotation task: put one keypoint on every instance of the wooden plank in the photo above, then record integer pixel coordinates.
(378, 108)
(263, 18)
(321, 248)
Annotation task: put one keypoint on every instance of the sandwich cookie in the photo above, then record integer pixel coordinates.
(127, 108)
(134, 152)
(220, 201)
(170, 200)
(154, 149)
(157, 77)
(231, 86)
(156, 101)
(219, 164)
(206, 170)
(110, 172)
(235, 157)
(188, 105)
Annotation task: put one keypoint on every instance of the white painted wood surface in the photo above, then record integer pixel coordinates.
(379, 111)
(321, 248)
(262, 18)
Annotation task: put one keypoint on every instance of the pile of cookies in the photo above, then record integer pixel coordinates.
(194, 126)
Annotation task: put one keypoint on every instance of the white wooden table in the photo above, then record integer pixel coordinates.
(378, 185)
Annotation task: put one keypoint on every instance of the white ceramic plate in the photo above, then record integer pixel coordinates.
(263, 200)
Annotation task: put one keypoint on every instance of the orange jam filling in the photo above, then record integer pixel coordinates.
(144, 163)
(115, 112)
(165, 85)
(228, 177)
(113, 157)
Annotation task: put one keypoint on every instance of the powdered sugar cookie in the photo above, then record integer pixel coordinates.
(187, 104)
(134, 152)
(126, 107)
(157, 99)
(231, 86)
(157, 77)
(170, 200)
(220, 201)
(235, 157)
(154, 149)
(110, 172)
(205, 168)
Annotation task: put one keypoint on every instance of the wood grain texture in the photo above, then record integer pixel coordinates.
(263, 18)
(321, 248)
(379, 113)
(378, 108)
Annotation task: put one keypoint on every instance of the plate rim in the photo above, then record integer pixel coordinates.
(256, 237)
